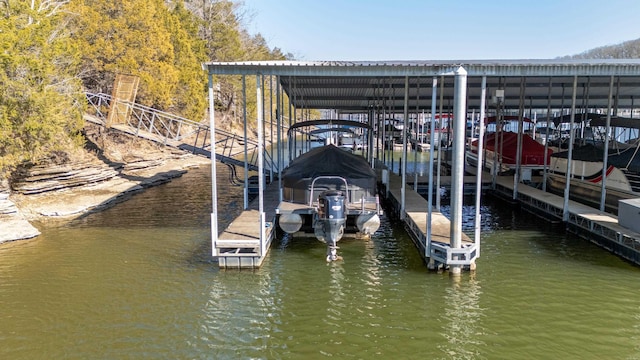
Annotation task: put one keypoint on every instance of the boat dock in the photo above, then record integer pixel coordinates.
(589, 223)
(239, 245)
(496, 88)
(439, 252)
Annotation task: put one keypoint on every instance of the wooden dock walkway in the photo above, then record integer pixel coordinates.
(587, 222)
(238, 246)
(415, 219)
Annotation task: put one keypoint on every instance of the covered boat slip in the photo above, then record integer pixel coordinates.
(587, 222)
(433, 243)
(374, 91)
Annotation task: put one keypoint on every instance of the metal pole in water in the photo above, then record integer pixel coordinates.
(259, 110)
(565, 206)
(214, 185)
(415, 149)
(279, 145)
(432, 136)
(480, 147)
(457, 167)
(403, 163)
(439, 166)
(605, 158)
(246, 154)
(546, 140)
(517, 176)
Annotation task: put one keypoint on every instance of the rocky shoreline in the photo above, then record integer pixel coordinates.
(94, 180)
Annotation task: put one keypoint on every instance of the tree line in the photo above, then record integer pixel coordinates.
(624, 50)
(52, 51)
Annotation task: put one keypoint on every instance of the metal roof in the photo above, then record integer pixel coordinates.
(358, 86)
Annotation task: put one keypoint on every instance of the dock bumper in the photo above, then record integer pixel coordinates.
(443, 253)
(243, 253)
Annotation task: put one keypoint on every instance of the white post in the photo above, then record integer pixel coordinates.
(246, 154)
(280, 148)
(259, 110)
(605, 158)
(214, 185)
(480, 147)
(432, 126)
(565, 206)
(403, 167)
(457, 167)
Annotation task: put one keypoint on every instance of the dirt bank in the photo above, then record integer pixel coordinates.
(112, 167)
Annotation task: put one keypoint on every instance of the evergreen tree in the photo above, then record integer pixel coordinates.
(40, 98)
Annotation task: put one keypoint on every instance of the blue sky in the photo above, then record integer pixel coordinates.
(441, 29)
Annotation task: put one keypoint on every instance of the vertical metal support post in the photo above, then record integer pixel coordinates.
(518, 173)
(605, 165)
(483, 99)
(291, 142)
(392, 112)
(264, 138)
(432, 136)
(214, 183)
(384, 132)
(403, 169)
(371, 119)
(565, 205)
(439, 144)
(417, 131)
(457, 166)
(260, 123)
(246, 152)
(271, 155)
(546, 140)
(279, 143)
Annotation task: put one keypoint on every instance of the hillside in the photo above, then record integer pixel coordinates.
(625, 50)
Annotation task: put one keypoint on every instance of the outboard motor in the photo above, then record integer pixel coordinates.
(330, 220)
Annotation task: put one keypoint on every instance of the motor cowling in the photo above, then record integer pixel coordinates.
(330, 219)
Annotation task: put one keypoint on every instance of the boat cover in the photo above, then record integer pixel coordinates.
(328, 160)
(627, 159)
(532, 151)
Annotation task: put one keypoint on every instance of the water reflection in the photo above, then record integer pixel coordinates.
(241, 313)
(130, 283)
(461, 318)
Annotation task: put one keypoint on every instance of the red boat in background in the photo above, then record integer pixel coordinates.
(503, 147)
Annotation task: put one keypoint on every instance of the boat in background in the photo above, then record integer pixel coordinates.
(587, 163)
(329, 192)
(503, 148)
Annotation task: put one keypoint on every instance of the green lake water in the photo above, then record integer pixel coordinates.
(137, 281)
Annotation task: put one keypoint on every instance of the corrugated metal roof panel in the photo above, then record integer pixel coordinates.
(358, 85)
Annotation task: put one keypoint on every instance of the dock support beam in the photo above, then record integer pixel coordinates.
(483, 99)
(246, 152)
(432, 125)
(403, 163)
(565, 207)
(605, 158)
(214, 184)
(260, 123)
(457, 169)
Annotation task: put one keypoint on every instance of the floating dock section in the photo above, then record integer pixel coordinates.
(589, 223)
(438, 252)
(239, 245)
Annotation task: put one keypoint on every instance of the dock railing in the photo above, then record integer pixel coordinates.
(173, 130)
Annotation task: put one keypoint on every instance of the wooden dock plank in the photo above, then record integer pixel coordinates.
(599, 227)
(240, 241)
(416, 207)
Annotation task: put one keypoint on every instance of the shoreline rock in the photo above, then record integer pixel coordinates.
(14, 225)
(91, 183)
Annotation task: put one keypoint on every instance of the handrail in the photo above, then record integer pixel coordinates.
(346, 187)
(177, 128)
